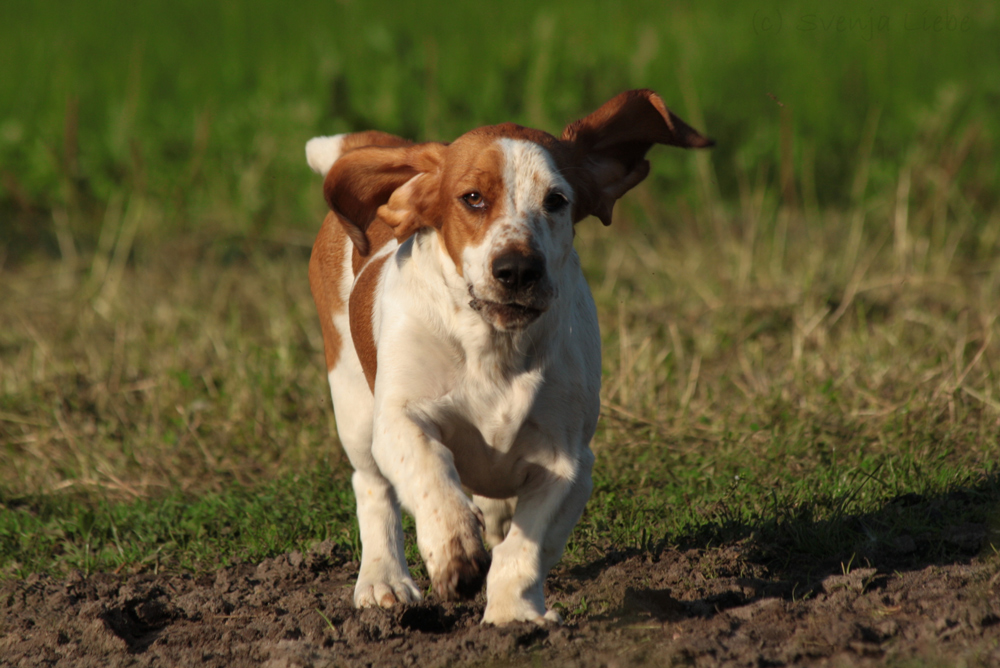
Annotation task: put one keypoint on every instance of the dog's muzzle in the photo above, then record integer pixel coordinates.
(521, 291)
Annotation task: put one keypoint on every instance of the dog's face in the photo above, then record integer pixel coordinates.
(504, 198)
(506, 223)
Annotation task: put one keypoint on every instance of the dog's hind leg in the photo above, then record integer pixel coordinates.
(497, 514)
(544, 517)
(569, 512)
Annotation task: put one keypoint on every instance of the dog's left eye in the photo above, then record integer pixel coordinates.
(554, 202)
(474, 200)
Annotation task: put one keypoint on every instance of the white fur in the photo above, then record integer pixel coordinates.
(509, 415)
(322, 152)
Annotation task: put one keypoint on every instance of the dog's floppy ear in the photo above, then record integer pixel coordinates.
(609, 148)
(365, 179)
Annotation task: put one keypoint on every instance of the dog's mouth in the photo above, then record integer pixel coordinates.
(506, 315)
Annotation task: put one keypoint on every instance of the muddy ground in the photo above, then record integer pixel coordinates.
(696, 607)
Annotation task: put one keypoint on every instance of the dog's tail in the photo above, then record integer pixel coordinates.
(322, 152)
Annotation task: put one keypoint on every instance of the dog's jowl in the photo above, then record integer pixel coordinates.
(462, 345)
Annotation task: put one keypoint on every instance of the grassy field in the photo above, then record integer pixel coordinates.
(801, 335)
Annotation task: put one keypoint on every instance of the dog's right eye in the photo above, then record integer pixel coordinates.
(474, 200)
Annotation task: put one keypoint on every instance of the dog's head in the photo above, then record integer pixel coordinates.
(504, 198)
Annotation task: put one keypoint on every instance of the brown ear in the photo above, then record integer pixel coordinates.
(610, 148)
(364, 179)
(411, 205)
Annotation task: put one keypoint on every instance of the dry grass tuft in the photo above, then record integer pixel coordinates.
(185, 371)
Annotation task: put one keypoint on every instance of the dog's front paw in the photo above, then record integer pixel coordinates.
(519, 610)
(458, 563)
(385, 592)
(464, 568)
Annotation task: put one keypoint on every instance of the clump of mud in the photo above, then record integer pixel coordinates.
(696, 607)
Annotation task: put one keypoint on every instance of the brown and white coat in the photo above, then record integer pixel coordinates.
(462, 344)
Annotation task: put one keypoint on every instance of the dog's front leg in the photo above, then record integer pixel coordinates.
(383, 579)
(409, 452)
(546, 514)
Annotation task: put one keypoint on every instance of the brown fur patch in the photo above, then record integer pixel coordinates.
(474, 164)
(325, 275)
(326, 271)
(361, 308)
(379, 234)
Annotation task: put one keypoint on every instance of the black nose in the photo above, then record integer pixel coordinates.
(517, 271)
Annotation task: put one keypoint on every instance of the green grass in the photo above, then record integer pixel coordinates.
(801, 336)
(205, 107)
(175, 530)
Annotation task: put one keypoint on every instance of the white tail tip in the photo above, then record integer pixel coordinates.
(322, 152)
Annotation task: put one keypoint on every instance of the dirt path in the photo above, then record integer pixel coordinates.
(701, 608)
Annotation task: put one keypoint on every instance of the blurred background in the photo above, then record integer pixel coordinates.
(799, 326)
(205, 106)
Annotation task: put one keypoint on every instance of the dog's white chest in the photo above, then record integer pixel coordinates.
(498, 407)
(485, 422)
